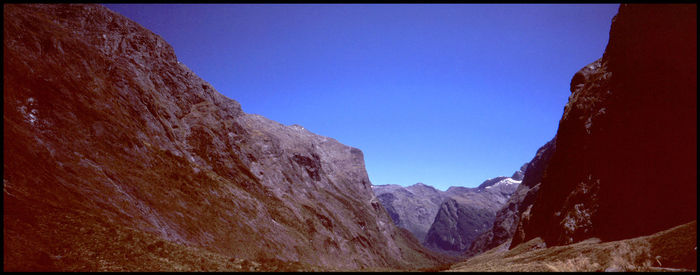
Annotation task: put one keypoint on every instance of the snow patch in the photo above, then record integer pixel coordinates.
(506, 181)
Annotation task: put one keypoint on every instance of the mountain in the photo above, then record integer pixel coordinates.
(508, 216)
(117, 157)
(625, 163)
(439, 217)
(465, 213)
(621, 169)
(413, 208)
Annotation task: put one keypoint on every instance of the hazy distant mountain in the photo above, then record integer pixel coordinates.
(419, 207)
(117, 157)
(413, 208)
(468, 212)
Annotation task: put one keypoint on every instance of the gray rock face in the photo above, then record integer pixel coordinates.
(413, 208)
(466, 213)
(103, 123)
(508, 216)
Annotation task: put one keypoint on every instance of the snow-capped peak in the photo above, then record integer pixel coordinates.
(506, 181)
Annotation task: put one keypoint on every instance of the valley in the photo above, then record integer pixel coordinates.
(118, 157)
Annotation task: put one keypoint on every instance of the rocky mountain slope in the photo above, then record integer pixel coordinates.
(507, 218)
(625, 163)
(465, 213)
(413, 208)
(118, 157)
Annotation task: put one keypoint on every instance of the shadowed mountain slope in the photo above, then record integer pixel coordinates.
(508, 216)
(625, 163)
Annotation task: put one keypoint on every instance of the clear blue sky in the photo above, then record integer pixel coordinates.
(447, 95)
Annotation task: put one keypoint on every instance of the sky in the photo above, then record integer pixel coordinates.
(443, 94)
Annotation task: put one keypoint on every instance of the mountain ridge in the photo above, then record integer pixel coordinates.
(626, 144)
(622, 164)
(419, 207)
(101, 120)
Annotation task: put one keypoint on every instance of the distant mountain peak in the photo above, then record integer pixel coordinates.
(490, 182)
(506, 181)
(422, 186)
(520, 174)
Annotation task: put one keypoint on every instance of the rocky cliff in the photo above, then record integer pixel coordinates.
(625, 158)
(467, 212)
(118, 157)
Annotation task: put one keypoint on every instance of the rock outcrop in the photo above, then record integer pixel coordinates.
(466, 213)
(109, 141)
(625, 163)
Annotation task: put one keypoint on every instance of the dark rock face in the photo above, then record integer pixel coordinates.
(105, 131)
(413, 208)
(466, 213)
(625, 159)
(508, 217)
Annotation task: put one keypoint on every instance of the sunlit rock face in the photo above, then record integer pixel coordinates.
(625, 158)
(104, 130)
(466, 213)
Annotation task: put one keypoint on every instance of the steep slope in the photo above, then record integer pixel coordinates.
(413, 208)
(466, 213)
(520, 201)
(104, 130)
(625, 159)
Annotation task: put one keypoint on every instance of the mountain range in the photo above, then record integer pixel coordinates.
(447, 221)
(117, 157)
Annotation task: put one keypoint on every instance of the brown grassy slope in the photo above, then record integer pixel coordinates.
(669, 250)
(75, 240)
